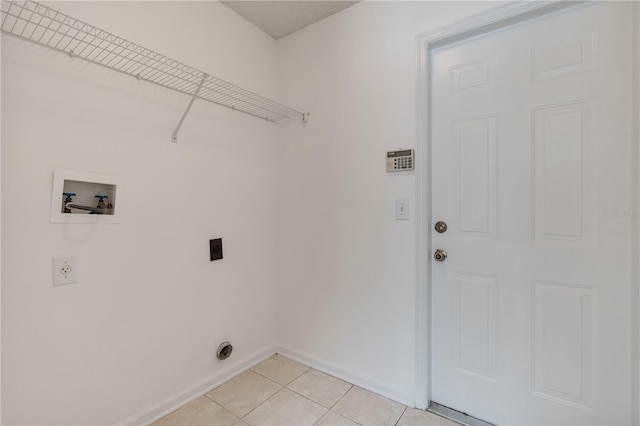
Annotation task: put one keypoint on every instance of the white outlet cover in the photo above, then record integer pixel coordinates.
(65, 270)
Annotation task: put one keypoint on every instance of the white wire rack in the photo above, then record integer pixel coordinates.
(45, 26)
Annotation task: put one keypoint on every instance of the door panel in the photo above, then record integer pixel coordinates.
(564, 168)
(563, 355)
(531, 148)
(474, 325)
(474, 177)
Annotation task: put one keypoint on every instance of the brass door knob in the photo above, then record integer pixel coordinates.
(440, 255)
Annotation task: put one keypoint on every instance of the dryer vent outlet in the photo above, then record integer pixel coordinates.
(224, 350)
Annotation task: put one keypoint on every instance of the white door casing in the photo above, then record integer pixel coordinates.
(524, 310)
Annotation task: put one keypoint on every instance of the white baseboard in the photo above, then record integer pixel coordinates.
(354, 377)
(177, 400)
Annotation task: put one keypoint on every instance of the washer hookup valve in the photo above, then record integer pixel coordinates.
(68, 199)
(102, 204)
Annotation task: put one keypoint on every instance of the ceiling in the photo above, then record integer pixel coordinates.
(281, 18)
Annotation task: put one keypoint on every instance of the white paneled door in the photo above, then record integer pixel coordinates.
(531, 171)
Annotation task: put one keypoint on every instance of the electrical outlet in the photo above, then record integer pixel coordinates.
(65, 270)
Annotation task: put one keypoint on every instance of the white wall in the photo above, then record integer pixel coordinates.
(148, 312)
(346, 281)
(144, 320)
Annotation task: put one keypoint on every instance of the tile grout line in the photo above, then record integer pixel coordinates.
(278, 391)
(340, 399)
(284, 386)
(272, 381)
(306, 370)
(203, 395)
(354, 386)
(307, 398)
(220, 405)
(406, 407)
(343, 395)
(265, 377)
(259, 405)
(293, 391)
(316, 402)
(338, 414)
(351, 385)
(250, 411)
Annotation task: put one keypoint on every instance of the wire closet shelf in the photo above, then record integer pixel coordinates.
(37, 23)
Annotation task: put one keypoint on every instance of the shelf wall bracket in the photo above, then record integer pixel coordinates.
(174, 135)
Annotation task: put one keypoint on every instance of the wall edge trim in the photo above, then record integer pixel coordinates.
(635, 284)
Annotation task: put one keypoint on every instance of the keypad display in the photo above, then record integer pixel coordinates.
(400, 160)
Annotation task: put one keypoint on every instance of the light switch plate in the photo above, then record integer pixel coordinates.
(402, 209)
(65, 270)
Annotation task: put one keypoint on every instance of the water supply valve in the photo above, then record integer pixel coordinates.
(68, 199)
(101, 203)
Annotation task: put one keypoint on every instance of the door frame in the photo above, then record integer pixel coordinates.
(500, 17)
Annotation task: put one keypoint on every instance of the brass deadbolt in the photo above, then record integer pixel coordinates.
(441, 227)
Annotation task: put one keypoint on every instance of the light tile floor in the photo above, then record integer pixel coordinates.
(280, 391)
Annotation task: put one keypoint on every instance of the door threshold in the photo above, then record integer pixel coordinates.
(456, 416)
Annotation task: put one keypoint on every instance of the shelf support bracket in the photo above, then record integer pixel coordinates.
(174, 135)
